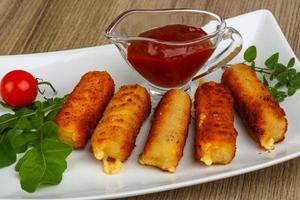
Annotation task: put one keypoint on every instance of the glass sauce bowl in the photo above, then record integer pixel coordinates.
(168, 47)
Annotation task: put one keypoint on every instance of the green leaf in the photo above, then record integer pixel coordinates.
(23, 111)
(297, 76)
(7, 153)
(37, 105)
(278, 95)
(37, 120)
(250, 54)
(291, 63)
(21, 161)
(278, 68)
(21, 139)
(7, 121)
(288, 79)
(265, 81)
(295, 82)
(282, 78)
(22, 135)
(36, 112)
(273, 91)
(31, 130)
(49, 130)
(291, 91)
(51, 115)
(32, 169)
(21, 142)
(280, 98)
(291, 73)
(23, 124)
(278, 85)
(58, 103)
(44, 164)
(272, 61)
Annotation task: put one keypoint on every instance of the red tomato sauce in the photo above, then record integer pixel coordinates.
(170, 66)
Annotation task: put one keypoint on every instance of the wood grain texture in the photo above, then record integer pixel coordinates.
(29, 26)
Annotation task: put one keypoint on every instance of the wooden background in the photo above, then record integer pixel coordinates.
(29, 26)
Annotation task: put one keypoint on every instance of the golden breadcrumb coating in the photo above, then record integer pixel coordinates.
(168, 132)
(114, 137)
(215, 140)
(83, 108)
(256, 106)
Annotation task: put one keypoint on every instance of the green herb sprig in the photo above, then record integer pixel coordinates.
(31, 130)
(282, 80)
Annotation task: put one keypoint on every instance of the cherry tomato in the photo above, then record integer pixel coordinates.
(18, 88)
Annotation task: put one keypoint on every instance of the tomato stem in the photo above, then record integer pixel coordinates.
(40, 91)
(41, 82)
(263, 71)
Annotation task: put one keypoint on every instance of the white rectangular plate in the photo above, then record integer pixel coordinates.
(84, 178)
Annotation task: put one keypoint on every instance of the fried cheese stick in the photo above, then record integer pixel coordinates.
(168, 132)
(215, 140)
(114, 137)
(83, 108)
(256, 106)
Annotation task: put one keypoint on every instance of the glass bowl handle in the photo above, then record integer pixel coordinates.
(224, 56)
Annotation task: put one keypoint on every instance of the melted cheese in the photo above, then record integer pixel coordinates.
(112, 166)
(206, 157)
(268, 143)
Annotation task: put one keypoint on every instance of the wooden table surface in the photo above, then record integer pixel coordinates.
(29, 26)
